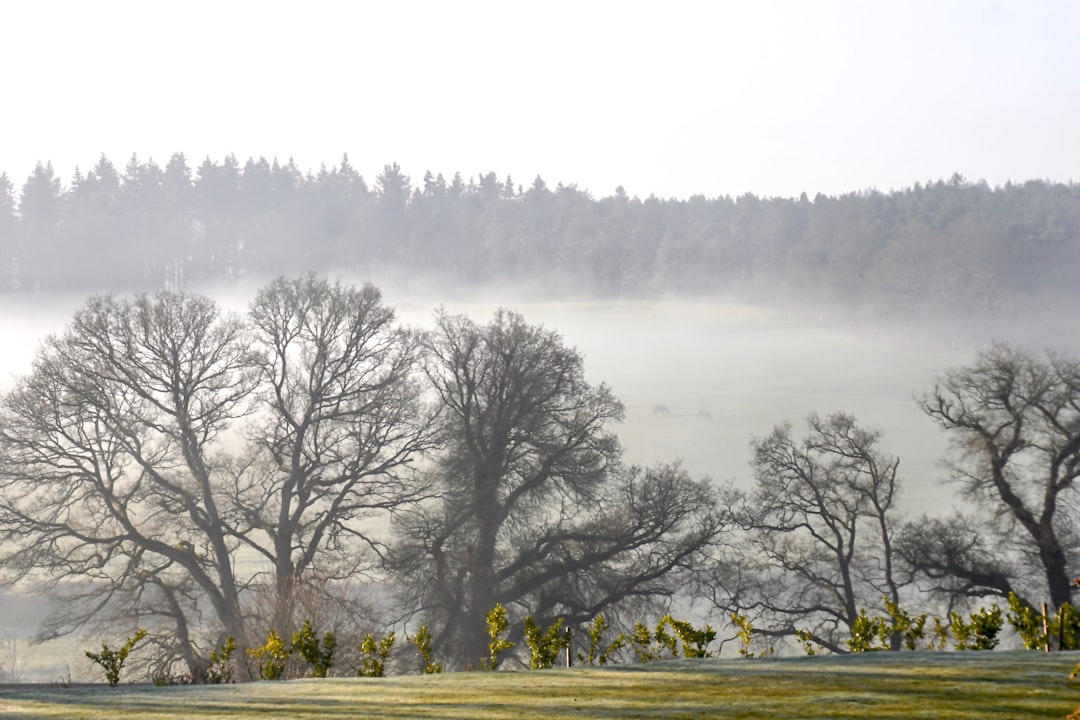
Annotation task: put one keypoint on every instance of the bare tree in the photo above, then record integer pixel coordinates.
(959, 557)
(819, 527)
(107, 471)
(1014, 422)
(345, 422)
(157, 438)
(536, 511)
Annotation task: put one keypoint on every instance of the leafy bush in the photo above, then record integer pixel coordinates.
(980, 631)
(271, 657)
(545, 644)
(497, 626)
(806, 640)
(695, 641)
(373, 655)
(868, 634)
(642, 641)
(912, 629)
(746, 637)
(305, 643)
(422, 641)
(669, 636)
(112, 661)
(220, 668)
(596, 652)
(1064, 626)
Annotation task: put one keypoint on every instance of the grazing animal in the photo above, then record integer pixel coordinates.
(660, 410)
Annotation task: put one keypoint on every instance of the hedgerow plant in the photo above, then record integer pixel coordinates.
(868, 634)
(497, 626)
(373, 655)
(112, 660)
(422, 641)
(980, 631)
(545, 644)
(320, 656)
(745, 633)
(271, 657)
(596, 653)
(220, 668)
(695, 641)
(912, 629)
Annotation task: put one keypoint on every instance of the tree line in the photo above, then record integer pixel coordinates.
(980, 253)
(205, 475)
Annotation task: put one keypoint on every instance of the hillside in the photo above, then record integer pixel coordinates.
(943, 686)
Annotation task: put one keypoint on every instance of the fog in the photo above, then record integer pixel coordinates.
(723, 371)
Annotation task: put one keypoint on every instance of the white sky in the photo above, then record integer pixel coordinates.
(672, 98)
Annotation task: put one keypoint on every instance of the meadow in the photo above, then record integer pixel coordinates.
(940, 685)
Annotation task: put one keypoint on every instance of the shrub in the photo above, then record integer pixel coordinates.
(112, 660)
(912, 629)
(596, 653)
(545, 644)
(1064, 626)
(642, 640)
(980, 631)
(497, 626)
(422, 641)
(806, 640)
(746, 637)
(373, 655)
(868, 634)
(220, 668)
(271, 657)
(695, 642)
(306, 644)
(1027, 622)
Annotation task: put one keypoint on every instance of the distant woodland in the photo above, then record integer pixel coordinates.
(982, 253)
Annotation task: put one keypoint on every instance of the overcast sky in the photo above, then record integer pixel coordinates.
(671, 98)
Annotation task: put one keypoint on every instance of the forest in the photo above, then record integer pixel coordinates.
(991, 257)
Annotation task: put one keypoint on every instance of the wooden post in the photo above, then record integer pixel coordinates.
(569, 648)
(1046, 630)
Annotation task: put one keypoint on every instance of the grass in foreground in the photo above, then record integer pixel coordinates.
(945, 686)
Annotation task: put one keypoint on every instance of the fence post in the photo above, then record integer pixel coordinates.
(1046, 630)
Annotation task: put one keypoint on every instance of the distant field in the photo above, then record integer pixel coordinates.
(726, 372)
(939, 686)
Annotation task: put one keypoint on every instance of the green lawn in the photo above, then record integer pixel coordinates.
(940, 685)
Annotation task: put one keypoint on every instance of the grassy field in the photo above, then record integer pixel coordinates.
(943, 686)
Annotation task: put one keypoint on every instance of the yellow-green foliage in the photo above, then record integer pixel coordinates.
(422, 641)
(545, 644)
(112, 660)
(669, 636)
(806, 640)
(912, 629)
(320, 656)
(596, 653)
(745, 631)
(220, 667)
(868, 634)
(373, 655)
(695, 641)
(271, 657)
(497, 626)
(980, 632)
(1062, 627)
